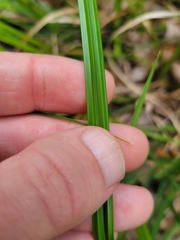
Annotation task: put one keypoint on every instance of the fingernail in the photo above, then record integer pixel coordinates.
(108, 153)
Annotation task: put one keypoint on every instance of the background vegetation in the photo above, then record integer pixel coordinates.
(133, 32)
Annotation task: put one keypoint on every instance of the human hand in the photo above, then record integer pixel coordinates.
(55, 174)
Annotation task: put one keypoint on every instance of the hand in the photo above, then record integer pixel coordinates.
(55, 174)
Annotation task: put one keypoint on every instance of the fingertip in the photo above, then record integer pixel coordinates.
(145, 205)
(150, 198)
(134, 206)
(141, 148)
(135, 146)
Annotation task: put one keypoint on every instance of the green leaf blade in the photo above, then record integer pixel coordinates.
(97, 107)
(143, 233)
(143, 95)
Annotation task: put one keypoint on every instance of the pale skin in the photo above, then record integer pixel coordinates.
(50, 182)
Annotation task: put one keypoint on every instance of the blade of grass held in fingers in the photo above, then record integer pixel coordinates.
(96, 97)
(94, 65)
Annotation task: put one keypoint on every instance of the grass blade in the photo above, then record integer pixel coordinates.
(15, 38)
(167, 201)
(96, 96)
(94, 65)
(143, 95)
(170, 232)
(143, 233)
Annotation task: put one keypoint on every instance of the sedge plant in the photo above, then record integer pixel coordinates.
(97, 108)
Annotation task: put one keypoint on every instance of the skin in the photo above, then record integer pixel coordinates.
(34, 198)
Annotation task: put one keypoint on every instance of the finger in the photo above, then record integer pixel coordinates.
(133, 205)
(19, 132)
(76, 235)
(57, 182)
(45, 83)
(136, 151)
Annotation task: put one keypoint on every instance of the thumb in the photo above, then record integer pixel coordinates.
(57, 182)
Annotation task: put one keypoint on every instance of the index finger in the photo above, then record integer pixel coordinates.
(45, 83)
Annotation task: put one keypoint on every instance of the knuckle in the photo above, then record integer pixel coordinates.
(56, 188)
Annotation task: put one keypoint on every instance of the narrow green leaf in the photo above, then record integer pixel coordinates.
(15, 38)
(169, 233)
(143, 95)
(18, 44)
(98, 224)
(167, 201)
(121, 236)
(143, 233)
(175, 166)
(161, 138)
(97, 109)
(117, 50)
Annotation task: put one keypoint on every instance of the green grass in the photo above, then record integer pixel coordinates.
(137, 46)
(97, 108)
